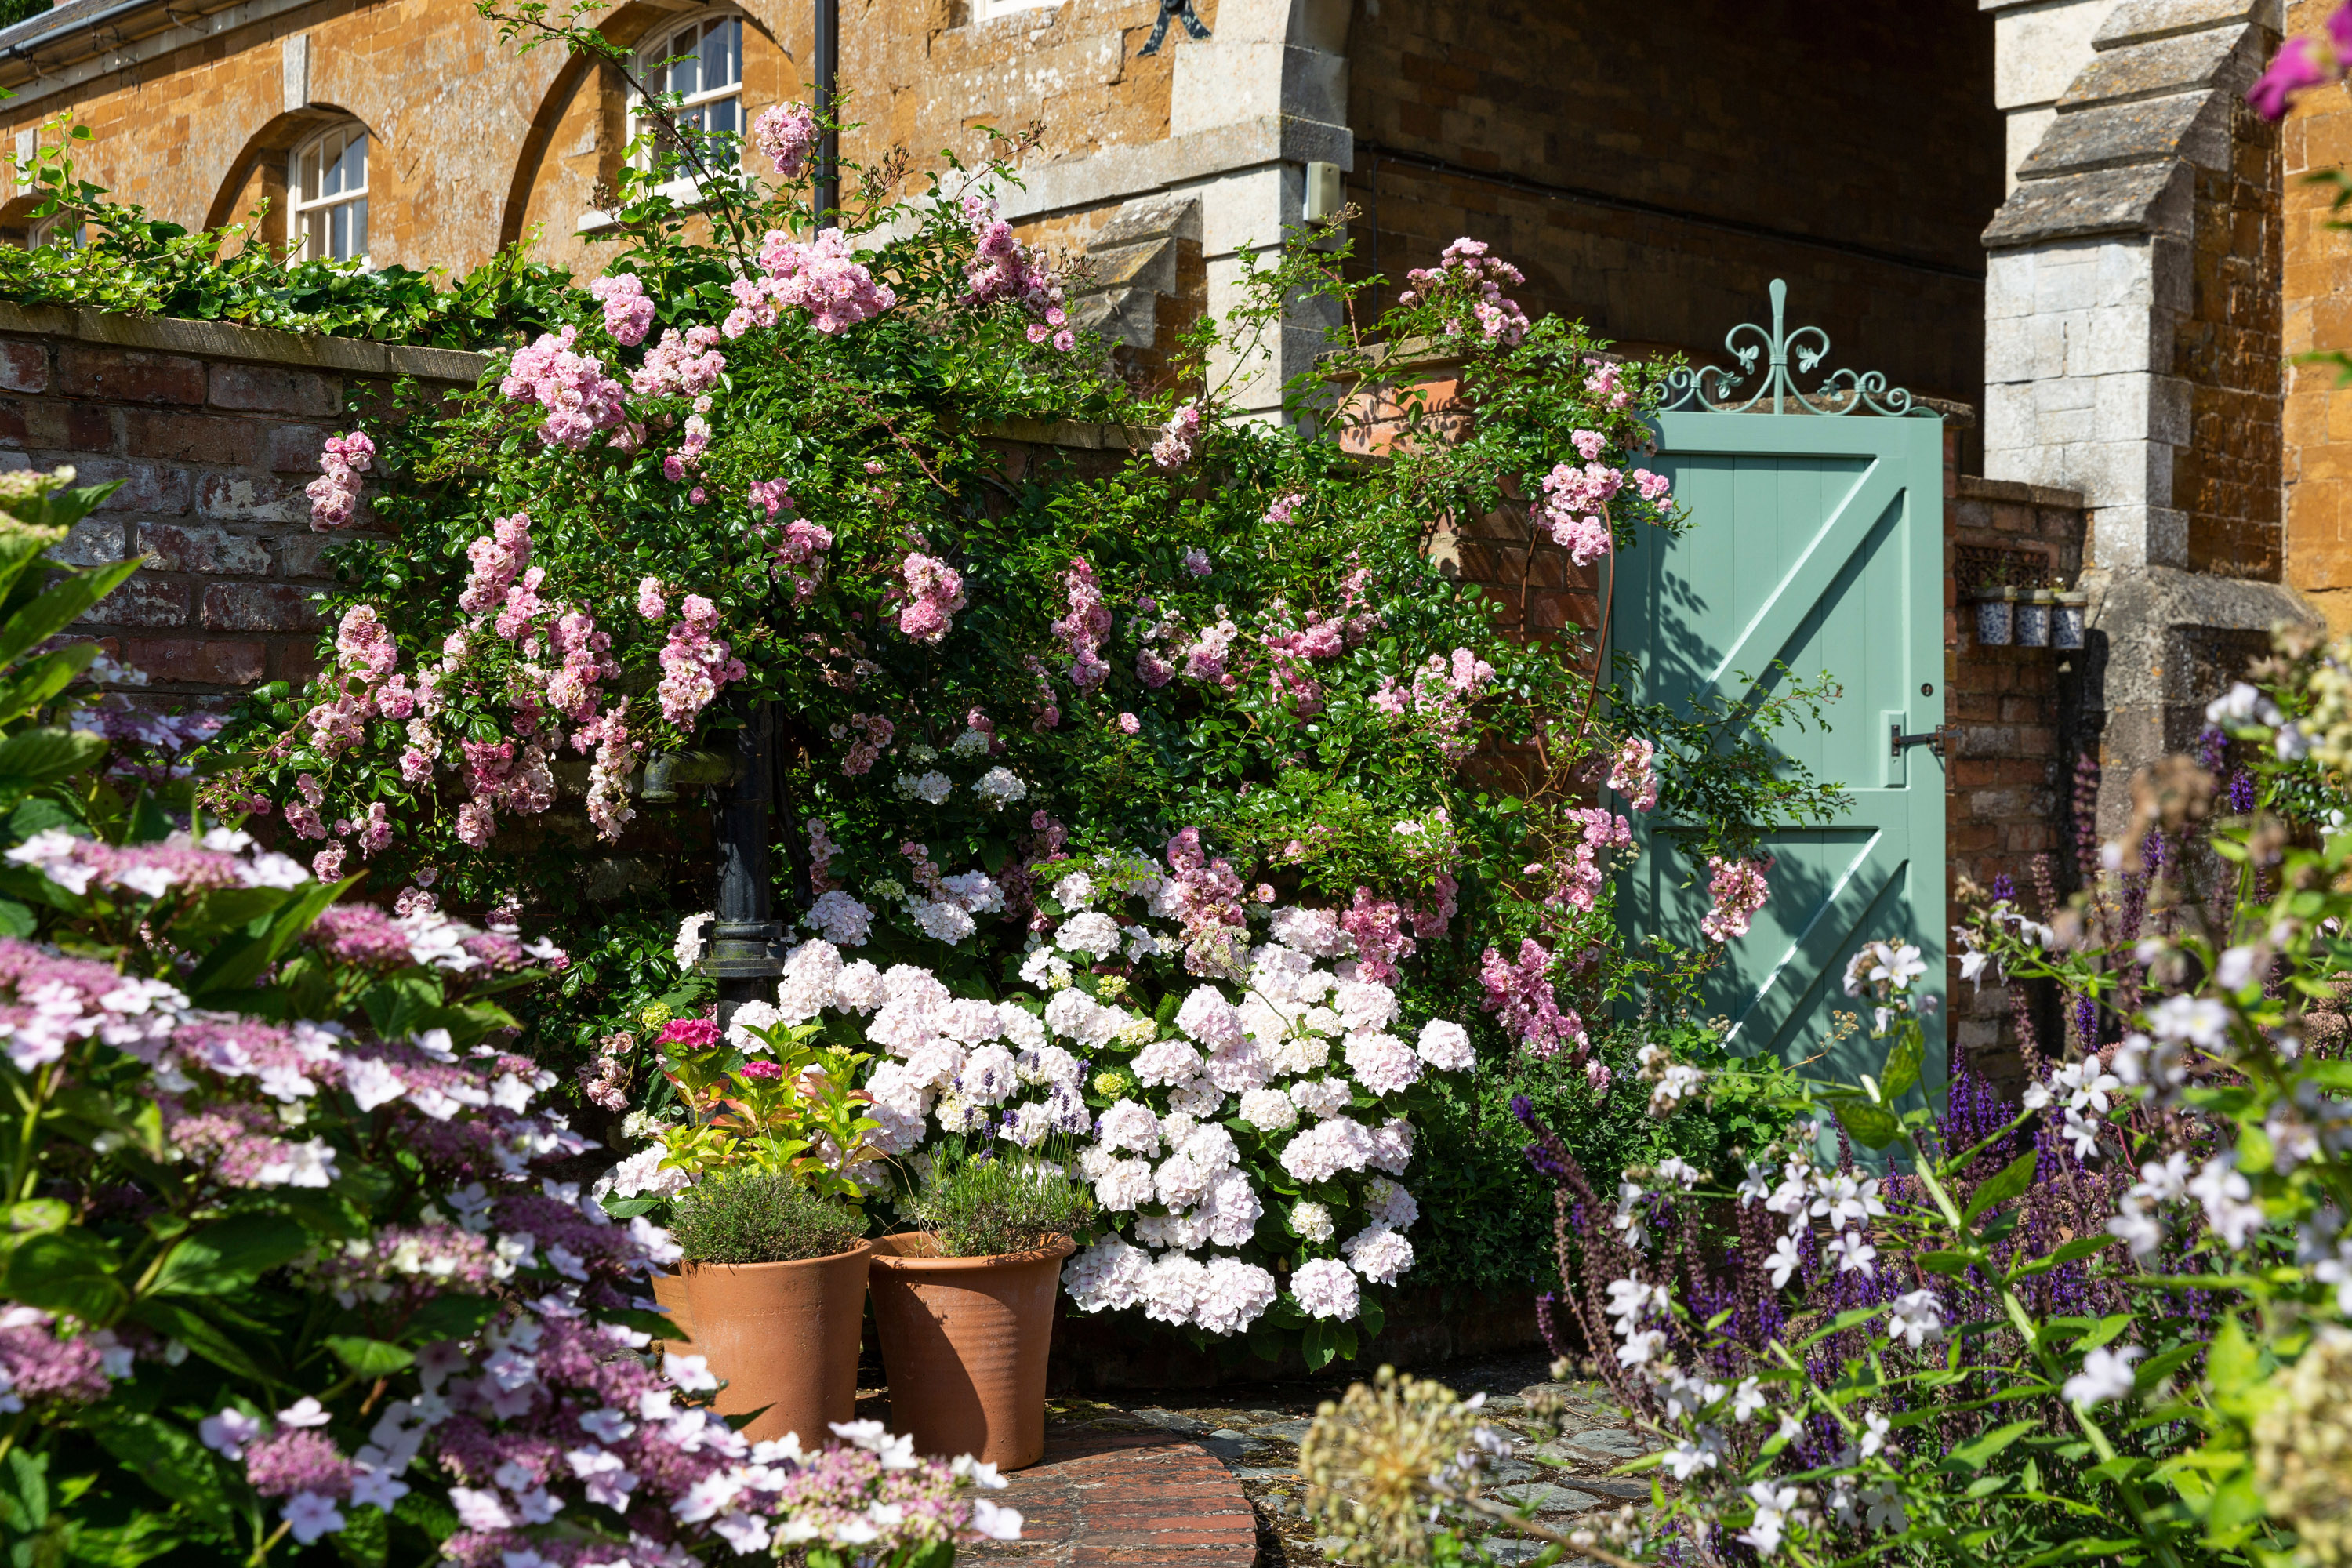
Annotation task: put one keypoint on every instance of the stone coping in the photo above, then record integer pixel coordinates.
(262, 345)
(1969, 487)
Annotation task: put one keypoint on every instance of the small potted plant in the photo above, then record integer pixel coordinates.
(964, 1303)
(770, 1288)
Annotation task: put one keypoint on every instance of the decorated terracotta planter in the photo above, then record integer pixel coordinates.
(669, 1293)
(784, 1338)
(964, 1341)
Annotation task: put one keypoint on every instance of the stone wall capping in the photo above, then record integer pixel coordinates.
(2193, 62)
(1969, 486)
(2146, 21)
(1082, 435)
(2114, 135)
(2079, 206)
(257, 345)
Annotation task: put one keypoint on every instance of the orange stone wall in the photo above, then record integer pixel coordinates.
(2316, 285)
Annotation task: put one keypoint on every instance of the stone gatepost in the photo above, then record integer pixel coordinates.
(2133, 343)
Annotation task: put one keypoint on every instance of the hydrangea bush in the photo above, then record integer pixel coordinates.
(1172, 802)
(294, 1264)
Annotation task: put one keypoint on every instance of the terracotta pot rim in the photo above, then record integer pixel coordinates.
(1061, 1246)
(685, 1265)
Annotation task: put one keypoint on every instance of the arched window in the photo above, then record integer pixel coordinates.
(326, 188)
(702, 62)
(68, 228)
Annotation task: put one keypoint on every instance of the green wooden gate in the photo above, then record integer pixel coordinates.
(1815, 546)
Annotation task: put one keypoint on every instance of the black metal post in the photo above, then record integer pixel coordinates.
(746, 951)
(828, 147)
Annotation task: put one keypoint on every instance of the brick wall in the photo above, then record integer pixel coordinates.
(216, 430)
(1702, 168)
(2017, 715)
(2227, 350)
(2316, 275)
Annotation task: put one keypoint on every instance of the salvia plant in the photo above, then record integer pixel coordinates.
(294, 1266)
(1132, 797)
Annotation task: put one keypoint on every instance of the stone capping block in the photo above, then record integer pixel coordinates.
(2191, 62)
(259, 346)
(2114, 135)
(2146, 21)
(1080, 434)
(2076, 206)
(1969, 487)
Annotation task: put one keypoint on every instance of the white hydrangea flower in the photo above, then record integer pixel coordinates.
(1446, 1046)
(1047, 969)
(1312, 1221)
(931, 788)
(1325, 1288)
(1379, 1254)
(688, 948)
(1268, 1110)
(840, 918)
(1382, 1063)
(944, 921)
(1091, 933)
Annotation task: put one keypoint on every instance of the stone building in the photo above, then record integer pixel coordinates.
(2057, 212)
(1650, 179)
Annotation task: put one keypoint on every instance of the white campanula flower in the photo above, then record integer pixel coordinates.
(2106, 1376)
(2198, 1020)
(1773, 1507)
(1917, 1317)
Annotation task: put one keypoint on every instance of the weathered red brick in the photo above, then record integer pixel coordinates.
(253, 497)
(129, 375)
(155, 488)
(24, 365)
(257, 607)
(145, 600)
(193, 437)
(93, 542)
(270, 389)
(294, 448)
(209, 550)
(199, 661)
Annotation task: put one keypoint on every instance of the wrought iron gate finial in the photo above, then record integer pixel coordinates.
(1710, 387)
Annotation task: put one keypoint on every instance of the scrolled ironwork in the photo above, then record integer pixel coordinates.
(1785, 356)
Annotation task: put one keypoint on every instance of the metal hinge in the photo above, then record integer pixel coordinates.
(1173, 10)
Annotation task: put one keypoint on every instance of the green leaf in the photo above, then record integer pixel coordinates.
(451, 1317)
(1902, 1065)
(230, 1254)
(59, 608)
(1871, 1126)
(369, 1358)
(182, 1322)
(42, 678)
(31, 757)
(2081, 1247)
(1319, 1345)
(15, 919)
(172, 1462)
(1981, 1449)
(2010, 1180)
(236, 961)
(65, 1272)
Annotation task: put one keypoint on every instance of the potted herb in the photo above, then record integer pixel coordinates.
(771, 1286)
(964, 1304)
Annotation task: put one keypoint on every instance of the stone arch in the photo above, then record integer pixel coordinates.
(259, 170)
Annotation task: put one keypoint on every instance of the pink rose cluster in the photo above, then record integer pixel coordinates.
(1002, 268)
(1582, 873)
(1528, 1009)
(695, 664)
(1081, 631)
(1739, 890)
(335, 493)
(933, 593)
(1205, 895)
(1634, 775)
(2302, 64)
(786, 135)
(628, 312)
(683, 365)
(1465, 275)
(579, 397)
(1174, 447)
(821, 276)
(1442, 692)
(1576, 506)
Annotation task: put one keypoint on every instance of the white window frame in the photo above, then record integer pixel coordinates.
(662, 45)
(300, 208)
(70, 227)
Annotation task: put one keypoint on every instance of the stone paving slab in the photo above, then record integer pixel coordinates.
(1124, 1495)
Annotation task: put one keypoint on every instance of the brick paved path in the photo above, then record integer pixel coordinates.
(1115, 1494)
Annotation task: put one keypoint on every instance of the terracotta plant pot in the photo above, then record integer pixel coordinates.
(669, 1290)
(964, 1341)
(785, 1336)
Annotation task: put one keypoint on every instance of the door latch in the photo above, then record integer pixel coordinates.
(1934, 740)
